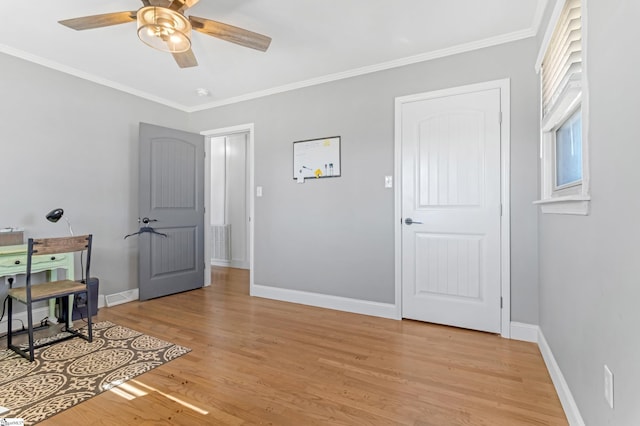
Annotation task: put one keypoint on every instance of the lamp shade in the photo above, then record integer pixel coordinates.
(55, 215)
(164, 29)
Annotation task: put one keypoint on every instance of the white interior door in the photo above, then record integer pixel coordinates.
(451, 211)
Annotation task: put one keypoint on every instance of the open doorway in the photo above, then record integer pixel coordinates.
(229, 212)
(228, 200)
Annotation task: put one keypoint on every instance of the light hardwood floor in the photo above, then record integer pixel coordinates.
(258, 361)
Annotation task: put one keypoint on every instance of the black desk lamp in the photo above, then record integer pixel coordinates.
(55, 215)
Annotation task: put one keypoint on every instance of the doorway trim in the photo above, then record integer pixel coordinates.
(224, 131)
(505, 167)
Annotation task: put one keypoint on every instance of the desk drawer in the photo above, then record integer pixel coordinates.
(21, 260)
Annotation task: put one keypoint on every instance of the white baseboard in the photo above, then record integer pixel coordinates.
(562, 388)
(525, 332)
(38, 315)
(239, 264)
(122, 297)
(357, 306)
(230, 263)
(533, 333)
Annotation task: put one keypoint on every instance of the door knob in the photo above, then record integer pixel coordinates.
(147, 220)
(409, 221)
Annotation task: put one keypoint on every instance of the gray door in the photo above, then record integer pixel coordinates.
(171, 202)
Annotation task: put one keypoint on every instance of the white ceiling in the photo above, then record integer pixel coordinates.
(313, 42)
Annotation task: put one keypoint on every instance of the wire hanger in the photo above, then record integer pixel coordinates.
(145, 229)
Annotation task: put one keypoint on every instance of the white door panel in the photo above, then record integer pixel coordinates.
(451, 190)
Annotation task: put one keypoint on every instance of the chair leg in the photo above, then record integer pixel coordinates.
(89, 311)
(30, 319)
(9, 321)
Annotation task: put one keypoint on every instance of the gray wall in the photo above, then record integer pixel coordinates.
(66, 142)
(335, 236)
(589, 266)
(332, 236)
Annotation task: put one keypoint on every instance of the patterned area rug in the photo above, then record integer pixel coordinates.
(67, 373)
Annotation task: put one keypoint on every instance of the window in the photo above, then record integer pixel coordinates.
(565, 175)
(568, 161)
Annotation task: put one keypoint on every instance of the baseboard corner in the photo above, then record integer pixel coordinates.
(525, 332)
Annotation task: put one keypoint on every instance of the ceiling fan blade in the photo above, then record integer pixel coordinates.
(182, 5)
(185, 59)
(230, 33)
(98, 21)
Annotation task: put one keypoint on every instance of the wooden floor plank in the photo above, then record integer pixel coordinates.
(258, 361)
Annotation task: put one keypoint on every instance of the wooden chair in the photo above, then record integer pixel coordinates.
(32, 293)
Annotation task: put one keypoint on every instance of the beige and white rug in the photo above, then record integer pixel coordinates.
(67, 373)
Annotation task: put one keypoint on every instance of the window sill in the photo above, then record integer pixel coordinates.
(569, 204)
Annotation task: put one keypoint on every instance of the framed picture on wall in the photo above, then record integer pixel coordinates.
(316, 158)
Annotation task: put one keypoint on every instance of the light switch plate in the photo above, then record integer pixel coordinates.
(388, 181)
(258, 191)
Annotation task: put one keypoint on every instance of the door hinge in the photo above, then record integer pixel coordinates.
(500, 117)
(500, 210)
(500, 302)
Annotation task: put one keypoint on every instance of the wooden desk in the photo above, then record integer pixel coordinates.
(13, 261)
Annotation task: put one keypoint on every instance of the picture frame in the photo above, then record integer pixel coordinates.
(316, 158)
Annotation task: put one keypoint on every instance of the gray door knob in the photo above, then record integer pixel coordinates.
(409, 221)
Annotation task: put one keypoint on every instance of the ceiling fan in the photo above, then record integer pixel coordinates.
(163, 26)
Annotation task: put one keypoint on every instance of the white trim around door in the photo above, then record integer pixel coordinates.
(505, 142)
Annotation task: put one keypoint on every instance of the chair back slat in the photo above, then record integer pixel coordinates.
(60, 245)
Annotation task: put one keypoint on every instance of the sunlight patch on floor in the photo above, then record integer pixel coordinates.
(173, 398)
(130, 391)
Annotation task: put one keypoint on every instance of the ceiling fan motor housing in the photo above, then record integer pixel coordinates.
(164, 29)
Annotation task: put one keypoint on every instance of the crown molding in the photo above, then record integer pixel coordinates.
(428, 56)
(436, 54)
(88, 76)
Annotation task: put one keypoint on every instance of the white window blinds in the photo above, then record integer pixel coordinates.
(562, 62)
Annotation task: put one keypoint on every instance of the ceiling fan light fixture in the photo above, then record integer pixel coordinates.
(164, 29)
